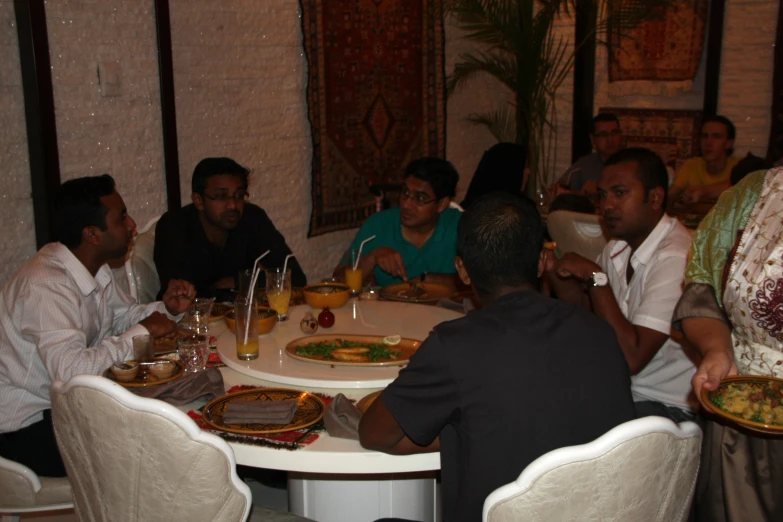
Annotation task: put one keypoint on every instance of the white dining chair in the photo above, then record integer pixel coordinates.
(132, 458)
(23, 491)
(142, 275)
(577, 232)
(644, 469)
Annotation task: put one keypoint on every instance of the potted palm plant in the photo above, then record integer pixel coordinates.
(520, 48)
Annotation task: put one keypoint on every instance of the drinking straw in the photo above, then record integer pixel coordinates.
(259, 258)
(250, 297)
(359, 255)
(285, 263)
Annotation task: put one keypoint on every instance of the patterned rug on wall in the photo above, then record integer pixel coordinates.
(376, 99)
(674, 134)
(661, 56)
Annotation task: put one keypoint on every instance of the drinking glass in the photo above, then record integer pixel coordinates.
(353, 278)
(143, 348)
(198, 315)
(246, 317)
(278, 291)
(193, 351)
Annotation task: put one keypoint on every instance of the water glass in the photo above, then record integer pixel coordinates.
(198, 315)
(278, 291)
(143, 348)
(246, 317)
(193, 351)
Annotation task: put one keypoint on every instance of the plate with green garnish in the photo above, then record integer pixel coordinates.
(353, 350)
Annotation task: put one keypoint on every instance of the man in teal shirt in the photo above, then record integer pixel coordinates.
(417, 237)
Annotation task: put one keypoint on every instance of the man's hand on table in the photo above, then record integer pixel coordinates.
(159, 325)
(178, 296)
(390, 261)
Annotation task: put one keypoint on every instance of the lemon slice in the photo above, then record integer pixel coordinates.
(392, 340)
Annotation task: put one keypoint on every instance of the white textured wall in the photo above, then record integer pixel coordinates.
(17, 236)
(240, 76)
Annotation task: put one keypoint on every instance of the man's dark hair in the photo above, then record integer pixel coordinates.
(499, 239)
(604, 116)
(439, 173)
(209, 167)
(650, 168)
(746, 165)
(731, 131)
(572, 203)
(79, 205)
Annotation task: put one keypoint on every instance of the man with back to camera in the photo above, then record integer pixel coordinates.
(61, 315)
(209, 241)
(420, 236)
(607, 138)
(496, 389)
(705, 177)
(637, 281)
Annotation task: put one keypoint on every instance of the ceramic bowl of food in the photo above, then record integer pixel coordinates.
(267, 319)
(123, 374)
(329, 294)
(162, 370)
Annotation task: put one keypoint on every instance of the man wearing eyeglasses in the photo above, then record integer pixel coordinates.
(607, 138)
(209, 241)
(420, 236)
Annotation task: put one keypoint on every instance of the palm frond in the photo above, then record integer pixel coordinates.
(500, 123)
(500, 66)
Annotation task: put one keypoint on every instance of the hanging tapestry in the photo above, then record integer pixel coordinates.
(673, 134)
(376, 99)
(660, 56)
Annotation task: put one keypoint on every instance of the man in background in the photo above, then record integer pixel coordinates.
(209, 241)
(489, 390)
(61, 315)
(607, 138)
(705, 177)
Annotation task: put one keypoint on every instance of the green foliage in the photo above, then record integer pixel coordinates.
(520, 49)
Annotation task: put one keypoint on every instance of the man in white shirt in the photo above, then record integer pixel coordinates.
(637, 281)
(61, 315)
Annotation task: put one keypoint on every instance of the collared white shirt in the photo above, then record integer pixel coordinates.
(57, 321)
(649, 300)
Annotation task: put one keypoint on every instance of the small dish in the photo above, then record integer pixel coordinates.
(710, 403)
(162, 370)
(267, 319)
(323, 295)
(125, 374)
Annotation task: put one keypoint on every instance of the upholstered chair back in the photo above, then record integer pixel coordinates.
(140, 266)
(644, 469)
(23, 491)
(577, 232)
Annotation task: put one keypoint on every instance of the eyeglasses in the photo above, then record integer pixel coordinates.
(606, 134)
(419, 198)
(238, 197)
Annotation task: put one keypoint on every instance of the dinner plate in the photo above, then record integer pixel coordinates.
(141, 380)
(310, 409)
(365, 402)
(433, 292)
(706, 396)
(406, 346)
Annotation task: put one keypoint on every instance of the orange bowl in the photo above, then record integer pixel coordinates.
(321, 295)
(267, 319)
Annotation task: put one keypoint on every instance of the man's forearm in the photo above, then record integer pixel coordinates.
(606, 307)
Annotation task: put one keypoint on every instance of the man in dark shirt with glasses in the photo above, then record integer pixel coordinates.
(209, 241)
(419, 236)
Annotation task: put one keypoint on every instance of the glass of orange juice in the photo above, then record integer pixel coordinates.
(353, 277)
(278, 291)
(246, 316)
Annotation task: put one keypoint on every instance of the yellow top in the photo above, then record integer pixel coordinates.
(694, 173)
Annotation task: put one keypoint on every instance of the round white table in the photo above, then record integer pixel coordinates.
(336, 479)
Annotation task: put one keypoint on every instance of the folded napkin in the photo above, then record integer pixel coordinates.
(341, 418)
(260, 412)
(204, 385)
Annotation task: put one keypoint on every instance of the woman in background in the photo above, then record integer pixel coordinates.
(729, 312)
(502, 169)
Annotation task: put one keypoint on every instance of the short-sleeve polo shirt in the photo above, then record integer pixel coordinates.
(436, 255)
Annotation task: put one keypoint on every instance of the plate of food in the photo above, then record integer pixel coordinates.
(750, 401)
(167, 345)
(134, 375)
(353, 350)
(416, 292)
(309, 410)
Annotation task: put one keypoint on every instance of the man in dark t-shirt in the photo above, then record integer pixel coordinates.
(209, 241)
(496, 389)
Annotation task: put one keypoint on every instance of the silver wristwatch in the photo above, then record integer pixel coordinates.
(598, 279)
